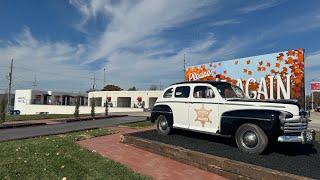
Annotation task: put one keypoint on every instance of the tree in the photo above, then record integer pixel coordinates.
(3, 112)
(93, 107)
(106, 110)
(133, 88)
(76, 111)
(153, 87)
(111, 87)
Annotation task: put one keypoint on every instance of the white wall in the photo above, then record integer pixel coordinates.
(22, 98)
(59, 109)
(132, 94)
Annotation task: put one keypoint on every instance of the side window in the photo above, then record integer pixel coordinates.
(168, 93)
(182, 92)
(203, 92)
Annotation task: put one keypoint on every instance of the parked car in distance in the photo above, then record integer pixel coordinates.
(222, 109)
(317, 109)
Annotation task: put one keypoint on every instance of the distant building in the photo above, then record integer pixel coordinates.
(39, 97)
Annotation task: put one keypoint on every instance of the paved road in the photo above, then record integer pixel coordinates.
(293, 158)
(34, 131)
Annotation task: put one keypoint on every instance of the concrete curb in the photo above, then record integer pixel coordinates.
(222, 166)
(17, 124)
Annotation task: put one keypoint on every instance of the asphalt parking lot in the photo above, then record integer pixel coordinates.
(303, 160)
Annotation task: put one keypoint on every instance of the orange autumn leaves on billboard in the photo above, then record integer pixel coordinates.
(270, 76)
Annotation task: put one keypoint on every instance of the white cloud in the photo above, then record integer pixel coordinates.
(313, 60)
(131, 43)
(135, 21)
(50, 62)
(224, 22)
(260, 6)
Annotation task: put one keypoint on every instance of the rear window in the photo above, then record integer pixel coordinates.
(168, 93)
(182, 92)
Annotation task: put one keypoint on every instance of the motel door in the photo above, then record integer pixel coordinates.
(203, 109)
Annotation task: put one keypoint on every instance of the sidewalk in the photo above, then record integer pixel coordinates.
(315, 121)
(144, 162)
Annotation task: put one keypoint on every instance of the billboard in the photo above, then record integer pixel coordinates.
(315, 86)
(270, 76)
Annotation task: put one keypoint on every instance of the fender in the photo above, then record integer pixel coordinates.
(158, 110)
(267, 120)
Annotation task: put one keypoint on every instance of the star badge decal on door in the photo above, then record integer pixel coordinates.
(203, 115)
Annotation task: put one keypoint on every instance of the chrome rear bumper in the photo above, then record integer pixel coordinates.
(306, 136)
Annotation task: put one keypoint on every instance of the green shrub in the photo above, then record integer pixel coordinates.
(3, 110)
(76, 111)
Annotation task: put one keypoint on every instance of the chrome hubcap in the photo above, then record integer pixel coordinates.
(163, 124)
(250, 139)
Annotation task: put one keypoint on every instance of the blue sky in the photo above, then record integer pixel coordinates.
(64, 43)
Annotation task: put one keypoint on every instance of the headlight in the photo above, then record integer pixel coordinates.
(284, 115)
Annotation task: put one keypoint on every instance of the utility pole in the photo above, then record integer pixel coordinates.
(94, 82)
(10, 85)
(184, 67)
(34, 84)
(104, 77)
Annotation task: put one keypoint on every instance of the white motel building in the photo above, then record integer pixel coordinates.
(31, 101)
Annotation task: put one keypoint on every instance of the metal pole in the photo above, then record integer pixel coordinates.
(10, 84)
(104, 77)
(94, 82)
(184, 67)
(311, 99)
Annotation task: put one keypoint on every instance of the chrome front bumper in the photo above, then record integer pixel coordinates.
(306, 136)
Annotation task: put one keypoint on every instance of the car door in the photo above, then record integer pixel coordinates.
(180, 106)
(204, 109)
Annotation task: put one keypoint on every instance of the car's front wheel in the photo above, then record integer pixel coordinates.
(251, 139)
(163, 126)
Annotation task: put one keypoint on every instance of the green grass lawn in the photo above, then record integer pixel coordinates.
(56, 157)
(140, 124)
(40, 116)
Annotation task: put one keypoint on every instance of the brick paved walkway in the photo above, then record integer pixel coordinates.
(144, 162)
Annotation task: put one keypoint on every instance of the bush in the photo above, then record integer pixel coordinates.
(76, 111)
(106, 110)
(93, 106)
(3, 110)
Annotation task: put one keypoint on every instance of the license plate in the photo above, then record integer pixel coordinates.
(308, 136)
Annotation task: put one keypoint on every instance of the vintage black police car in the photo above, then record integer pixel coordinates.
(222, 109)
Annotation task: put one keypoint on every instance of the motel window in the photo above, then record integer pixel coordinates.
(182, 92)
(97, 101)
(168, 93)
(203, 92)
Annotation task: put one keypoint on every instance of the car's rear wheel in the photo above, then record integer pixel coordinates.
(163, 125)
(251, 139)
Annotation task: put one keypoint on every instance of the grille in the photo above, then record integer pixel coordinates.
(294, 126)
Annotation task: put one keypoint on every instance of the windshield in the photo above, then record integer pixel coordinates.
(230, 91)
